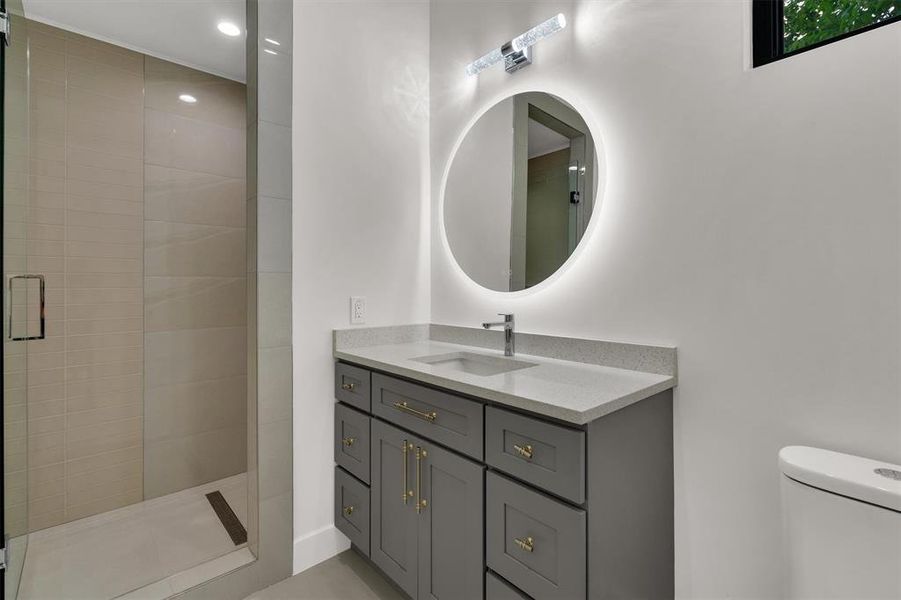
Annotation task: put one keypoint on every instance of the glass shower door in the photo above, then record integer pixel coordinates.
(22, 293)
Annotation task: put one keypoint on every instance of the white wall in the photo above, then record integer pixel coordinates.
(479, 195)
(751, 218)
(360, 214)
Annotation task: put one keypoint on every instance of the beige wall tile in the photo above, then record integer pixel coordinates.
(43, 521)
(103, 265)
(181, 196)
(95, 204)
(103, 250)
(100, 160)
(179, 410)
(79, 511)
(219, 101)
(104, 398)
(101, 461)
(103, 311)
(75, 206)
(103, 79)
(104, 191)
(94, 363)
(194, 302)
(104, 325)
(104, 415)
(81, 218)
(105, 437)
(179, 142)
(175, 464)
(174, 357)
(105, 54)
(103, 341)
(106, 386)
(47, 64)
(104, 295)
(94, 485)
(103, 235)
(181, 249)
(45, 39)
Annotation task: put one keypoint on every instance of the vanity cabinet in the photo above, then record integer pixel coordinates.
(470, 500)
(427, 518)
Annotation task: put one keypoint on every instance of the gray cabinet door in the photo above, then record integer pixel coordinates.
(352, 441)
(451, 525)
(352, 385)
(394, 521)
(535, 542)
(352, 509)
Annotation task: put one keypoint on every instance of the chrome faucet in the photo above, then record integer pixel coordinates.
(509, 339)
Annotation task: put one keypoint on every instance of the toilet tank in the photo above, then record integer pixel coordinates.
(841, 518)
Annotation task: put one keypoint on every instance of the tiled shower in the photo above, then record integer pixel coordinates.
(134, 451)
(136, 216)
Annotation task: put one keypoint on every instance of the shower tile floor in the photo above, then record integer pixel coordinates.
(152, 549)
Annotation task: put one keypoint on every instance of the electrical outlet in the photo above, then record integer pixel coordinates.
(357, 309)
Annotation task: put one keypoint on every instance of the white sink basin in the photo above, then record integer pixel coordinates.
(474, 363)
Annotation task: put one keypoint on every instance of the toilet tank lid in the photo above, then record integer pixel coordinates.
(860, 478)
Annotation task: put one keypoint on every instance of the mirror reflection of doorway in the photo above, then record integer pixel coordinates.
(553, 169)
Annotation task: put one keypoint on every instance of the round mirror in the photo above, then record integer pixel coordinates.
(521, 191)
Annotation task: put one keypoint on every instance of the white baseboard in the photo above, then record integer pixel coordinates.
(313, 548)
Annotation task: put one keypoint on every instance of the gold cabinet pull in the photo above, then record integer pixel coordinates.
(421, 502)
(425, 416)
(348, 441)
(348, 386)
(526, 545)
(405, 450)
(349, 510)
(524, 451)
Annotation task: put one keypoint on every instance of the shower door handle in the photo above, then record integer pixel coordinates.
(41, 285)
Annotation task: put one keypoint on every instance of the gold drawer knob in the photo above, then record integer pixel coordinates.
(348, 441)
(526, 545)
(349, 510)
(524, 451)
(348, 386)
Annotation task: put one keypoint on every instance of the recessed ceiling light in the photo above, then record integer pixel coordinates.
(188, 98)
(229, 28)
(273, 42)
(269, 51)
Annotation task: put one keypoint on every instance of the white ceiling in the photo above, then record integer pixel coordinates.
(544, 140)
(181, 31)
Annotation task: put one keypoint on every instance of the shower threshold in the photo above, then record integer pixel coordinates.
(152, 549)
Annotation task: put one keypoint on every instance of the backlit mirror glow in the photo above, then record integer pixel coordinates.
(521, 191)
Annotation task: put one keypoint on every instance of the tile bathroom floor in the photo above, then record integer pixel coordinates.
(344, 577)
(152, 549)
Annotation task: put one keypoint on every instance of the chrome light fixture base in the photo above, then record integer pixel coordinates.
(516, 53)
(515, 60)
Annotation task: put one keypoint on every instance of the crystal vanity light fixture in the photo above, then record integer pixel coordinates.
(516, 53)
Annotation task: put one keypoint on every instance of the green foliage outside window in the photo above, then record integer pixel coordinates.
(810, 21)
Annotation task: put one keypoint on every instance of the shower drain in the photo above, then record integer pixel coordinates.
(890, 473)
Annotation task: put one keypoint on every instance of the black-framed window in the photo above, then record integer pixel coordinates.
(784, 28)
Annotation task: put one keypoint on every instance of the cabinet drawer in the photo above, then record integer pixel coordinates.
(352, 385)
(352, 509)
(550, 456)
(352, 441)
(498, 589)
(533, 541)
(439, 416)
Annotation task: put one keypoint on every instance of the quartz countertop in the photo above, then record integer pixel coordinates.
(575, 392)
